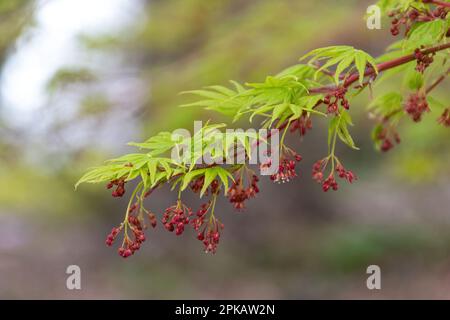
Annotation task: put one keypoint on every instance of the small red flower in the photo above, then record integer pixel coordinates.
(208, 230)
(120, 189)
(416, 106)
(286, 168)
(176, 217)
(237, 194)
(333, 99)
(330, 182)
(302, 124)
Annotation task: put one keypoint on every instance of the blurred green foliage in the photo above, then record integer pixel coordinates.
(14, 16)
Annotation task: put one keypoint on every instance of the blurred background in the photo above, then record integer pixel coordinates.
(81, 78)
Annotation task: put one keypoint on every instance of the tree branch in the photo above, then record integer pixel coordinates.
(439, 3)
(381, 67)
(437, 81)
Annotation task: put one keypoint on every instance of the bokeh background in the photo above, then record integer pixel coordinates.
(81, 78)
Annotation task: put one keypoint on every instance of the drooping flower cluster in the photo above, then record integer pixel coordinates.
(132, 245)
(237, 194)
(176, 217)
(319, 168)
(111, 237)
(387, 136)
(211, 236)
(416, 105)
(129, 246)
(332, 100)
(413, 15)
(120, 189)
(208, 230)
(444, 119)
(286, 168)
(302, 124)
(423, 60)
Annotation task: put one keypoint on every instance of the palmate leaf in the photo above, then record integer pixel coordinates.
(300, 71)
(213, 173)
(273, 97)
(426, 34)
(219, 98)
(157, 144)
(276, 90)
(131, 166)
(103, 174)
(344, 58)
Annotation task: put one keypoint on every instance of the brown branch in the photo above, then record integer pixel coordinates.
(381, 67)
(439, 3)
(437, 82)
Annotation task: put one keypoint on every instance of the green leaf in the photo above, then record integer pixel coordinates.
(224, 175)
(145, 177)
(220, 99)
(426, 33)
(360, 63)
(211, 174)
(413, 79)
(387, 104)
(278, 111)
(344, 57)
(188, 177)
(345, 136)
(344, 64)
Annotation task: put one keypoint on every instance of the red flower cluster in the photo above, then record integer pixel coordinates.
(444, 119)
(211, 236)
(423, 60)
(120, 189)
(330, 182)
(386, 138)
(208, 231)
(345, 174)
(201, 214)
(176, 217)
(237, 194)
(286, 168)
(332, 100)
(112, 236)
(131, 246)
(412, 16)
(416, 105)
(302, 124)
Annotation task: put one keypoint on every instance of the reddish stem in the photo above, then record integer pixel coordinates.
(381, 67)
(440, 3)
(437, 82)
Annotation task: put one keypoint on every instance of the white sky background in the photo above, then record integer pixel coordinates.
(53, 44)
